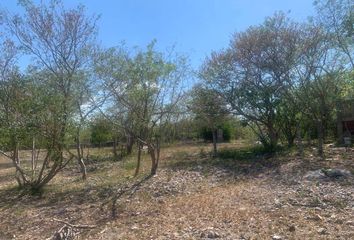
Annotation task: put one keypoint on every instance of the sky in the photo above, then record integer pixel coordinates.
(193, 27)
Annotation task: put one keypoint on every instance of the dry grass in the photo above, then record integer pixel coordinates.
(242, 195)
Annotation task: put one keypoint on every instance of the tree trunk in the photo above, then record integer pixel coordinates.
(137, 169)
(273, 138)
(16, 155)
(20, 175)
(154, 163)
(83, 168)
(80, 158)
(155, 156)
(291, 136)
(82, 150)
(130, 143)
(47, 164)
(215, 140)
(33, 158)
(16, 160)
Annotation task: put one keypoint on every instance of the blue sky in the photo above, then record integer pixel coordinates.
(194, 27)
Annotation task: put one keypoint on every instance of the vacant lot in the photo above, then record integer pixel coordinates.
(243, 194)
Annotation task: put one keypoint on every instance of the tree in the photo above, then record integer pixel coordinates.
(145, 88)
(319, 78)
(255, 73)
(85, 106)
(209, 109)
(12, 97)
(101, 131)
(288, 118)
(60, 42)
(336, 17)
(336, 20)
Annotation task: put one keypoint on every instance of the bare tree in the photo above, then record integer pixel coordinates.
(86, 103)
(146, 86)
(60, 42)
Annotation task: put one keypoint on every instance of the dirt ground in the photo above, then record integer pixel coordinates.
(243, 194)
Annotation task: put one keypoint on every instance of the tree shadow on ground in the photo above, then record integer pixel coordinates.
(95, 205)
(102, 196)
(245, 161)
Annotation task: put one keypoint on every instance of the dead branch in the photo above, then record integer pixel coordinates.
(74, 225)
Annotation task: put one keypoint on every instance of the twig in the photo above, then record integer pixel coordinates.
(74, 226)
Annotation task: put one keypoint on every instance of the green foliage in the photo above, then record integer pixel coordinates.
(101, 131)
(227, 130)
(208, 107)
(206, 134)
(253, 73)
(348, 86)
(243, 131)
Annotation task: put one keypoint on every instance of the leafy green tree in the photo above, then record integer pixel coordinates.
(255, 72)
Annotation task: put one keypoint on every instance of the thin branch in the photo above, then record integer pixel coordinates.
(74, 225)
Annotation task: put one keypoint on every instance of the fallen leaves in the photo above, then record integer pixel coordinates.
(194, 202)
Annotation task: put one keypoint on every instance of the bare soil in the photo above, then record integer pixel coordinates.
(244, 194)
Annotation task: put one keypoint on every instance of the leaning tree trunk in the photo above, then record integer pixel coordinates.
(16, 161)
(137, 169)
(83, 168)
(80, 158)
(155, 157)
(154, 162)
